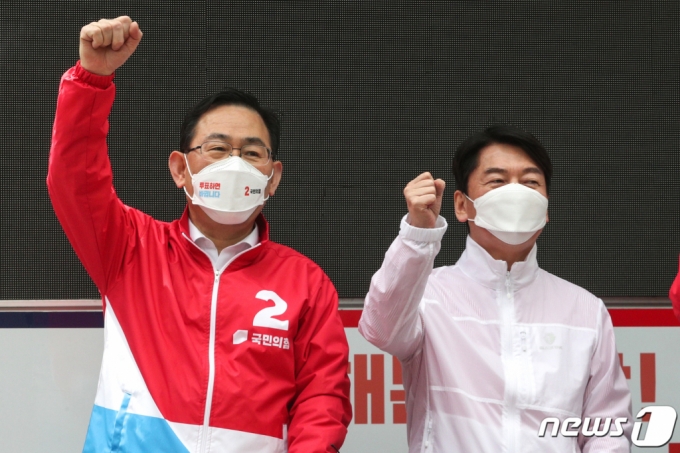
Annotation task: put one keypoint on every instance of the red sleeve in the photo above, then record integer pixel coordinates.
(674, 295)
(79, 178)
(321, 410)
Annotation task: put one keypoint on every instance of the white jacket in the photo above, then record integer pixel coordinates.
(488, 354)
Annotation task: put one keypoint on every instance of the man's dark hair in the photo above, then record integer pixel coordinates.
(229, 96)
(466, 158)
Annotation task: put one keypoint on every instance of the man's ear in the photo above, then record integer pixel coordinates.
(178, 166)
(459, 204)
(276, 178)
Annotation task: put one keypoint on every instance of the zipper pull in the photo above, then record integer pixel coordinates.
(217, 276)
(523, 339)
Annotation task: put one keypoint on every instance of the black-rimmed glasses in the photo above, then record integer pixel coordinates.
(214, 151)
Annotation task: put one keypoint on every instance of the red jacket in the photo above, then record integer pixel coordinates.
(253, 358)
(674, 295)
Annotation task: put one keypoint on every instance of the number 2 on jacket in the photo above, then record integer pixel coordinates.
(265, 317)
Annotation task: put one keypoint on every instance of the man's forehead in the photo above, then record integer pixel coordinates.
(232, 122)
(502, 157)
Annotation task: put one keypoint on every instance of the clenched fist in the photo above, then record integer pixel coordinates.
(424, 200)
(107, 44)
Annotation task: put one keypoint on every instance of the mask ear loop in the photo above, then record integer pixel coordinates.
(268, 179)
(473, 203)
(192, 179)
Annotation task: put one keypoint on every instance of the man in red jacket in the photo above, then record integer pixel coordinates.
(216, 339)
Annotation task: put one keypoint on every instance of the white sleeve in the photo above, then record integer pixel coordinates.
(390, 319)
(607, 394)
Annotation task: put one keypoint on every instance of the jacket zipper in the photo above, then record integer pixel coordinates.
(211, 364)
(203, 444)
(511, 364)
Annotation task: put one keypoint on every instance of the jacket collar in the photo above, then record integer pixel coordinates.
(476, 263)
(246, 258)
(262, 225)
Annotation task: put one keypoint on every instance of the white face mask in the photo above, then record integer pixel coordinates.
(512, 213)
(229, 190)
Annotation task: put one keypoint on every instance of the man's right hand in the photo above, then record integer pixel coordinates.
(424, 200)
(107, 44)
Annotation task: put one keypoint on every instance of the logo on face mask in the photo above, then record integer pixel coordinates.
(209, 190)
(248, 191)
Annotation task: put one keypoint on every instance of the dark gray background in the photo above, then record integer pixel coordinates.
(371, 94)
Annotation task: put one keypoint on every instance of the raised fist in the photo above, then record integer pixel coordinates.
(107, 44)
(424, 200)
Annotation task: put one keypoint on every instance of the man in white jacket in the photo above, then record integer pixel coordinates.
(494, 345)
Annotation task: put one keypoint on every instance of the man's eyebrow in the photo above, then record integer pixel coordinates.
(226, 138)
(255, 140)
(532, 170)
(217, 136)
(503, 171)
(495, 170)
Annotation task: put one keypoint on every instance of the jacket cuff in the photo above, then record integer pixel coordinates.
(423, 234)
(94, 80)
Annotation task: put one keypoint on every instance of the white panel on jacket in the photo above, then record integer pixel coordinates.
(120, 374)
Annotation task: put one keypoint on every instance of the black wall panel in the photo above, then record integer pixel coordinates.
(371, 95)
